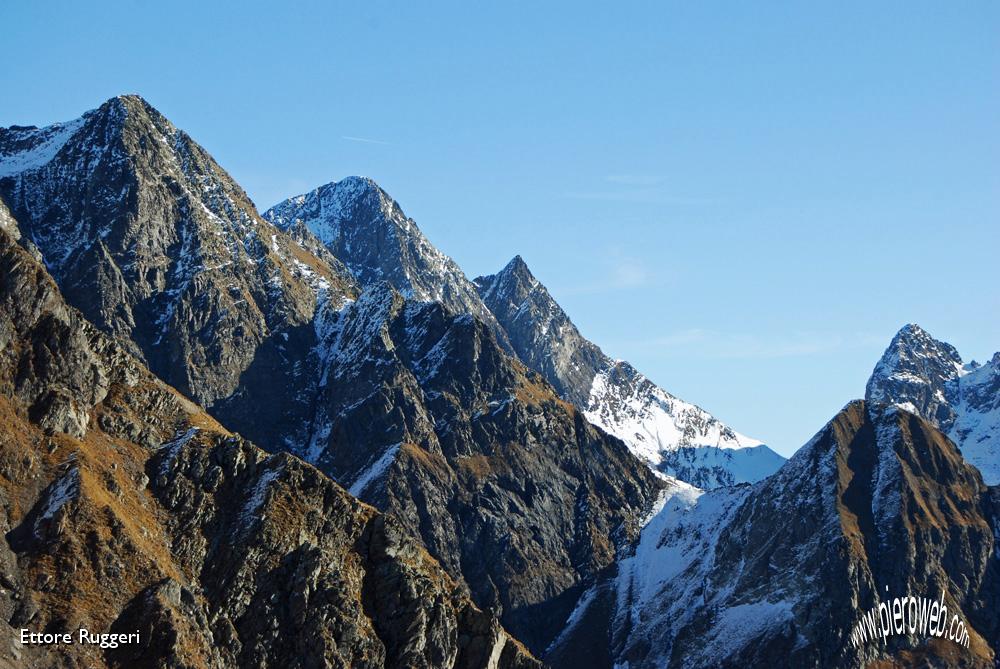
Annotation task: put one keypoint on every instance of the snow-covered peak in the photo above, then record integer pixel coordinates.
(328, 208)
(30, 148)
(913, 345)
(927, 377)
(912, 373)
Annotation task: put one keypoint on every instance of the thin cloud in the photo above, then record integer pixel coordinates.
(619, 272)
(365, 140)
(716, 345)
(638, 188)
(629, 273)
(640, 195)
(634, 179)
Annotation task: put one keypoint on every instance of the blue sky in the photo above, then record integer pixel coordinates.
(746, 200)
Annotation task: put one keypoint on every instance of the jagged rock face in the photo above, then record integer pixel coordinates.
(155, 243)
(540, 331)
(672, 436)
(420, 412)
(913, 374)
(778, 573)
(927, 377)
(260, 323)
(152, 518)
(366, 229)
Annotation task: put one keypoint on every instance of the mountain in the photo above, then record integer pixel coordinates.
(420, 412)
(399, 390)
(927, 377)
(420, 409)
(126, 508)
(672, 436)
(366, 229)
(156, 244)
(878, 505)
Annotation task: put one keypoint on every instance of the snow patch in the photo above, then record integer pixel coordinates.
(64, 489)
(172, 448)
(42, 146)
(374, 471)
(259, 495)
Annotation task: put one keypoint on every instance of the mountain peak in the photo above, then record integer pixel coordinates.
(516, 264)
(25, 149)
(326, 209)
(366, 229)
(670, 435)
(912, 333)
(135, 221)
(512, 284)
(916, 339)
(911, 330)
(358, 181)
(845, 503)
(927, 377)
(913, 373)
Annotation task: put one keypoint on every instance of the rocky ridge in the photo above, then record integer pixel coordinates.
(127, 508)
(673, 436)
(414, 405)
(419, 412)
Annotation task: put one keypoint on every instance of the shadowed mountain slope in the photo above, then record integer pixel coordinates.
(126, 508)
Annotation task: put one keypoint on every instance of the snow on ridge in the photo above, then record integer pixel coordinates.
(173, 447)
(977, 423)
(662, 585)
(61, 491)
(323, 209)
(45, 144)
(258, 495)
(374, 471)
(652, 421)
(576, 615)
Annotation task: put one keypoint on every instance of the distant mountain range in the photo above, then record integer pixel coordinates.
(306, 438)
(364, 227)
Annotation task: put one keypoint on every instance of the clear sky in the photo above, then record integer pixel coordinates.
(746, 200)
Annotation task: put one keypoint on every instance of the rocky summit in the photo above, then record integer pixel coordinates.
(928, 377)
(155, 244)
(365, 228)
